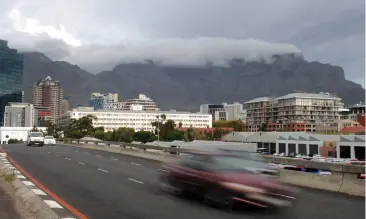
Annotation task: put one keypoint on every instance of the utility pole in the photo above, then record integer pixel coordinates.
(158, 117)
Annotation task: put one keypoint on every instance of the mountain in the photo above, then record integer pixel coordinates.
(185, 88)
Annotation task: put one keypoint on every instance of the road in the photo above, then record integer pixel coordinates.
(107, 185)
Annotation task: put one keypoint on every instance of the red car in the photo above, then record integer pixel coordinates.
(228, 179)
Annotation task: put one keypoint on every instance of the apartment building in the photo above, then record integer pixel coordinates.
(292, 112)
(136, 119)
(102, 101)
(48, 93)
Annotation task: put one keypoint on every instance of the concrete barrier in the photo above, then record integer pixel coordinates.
(343, 177)
(325, 182)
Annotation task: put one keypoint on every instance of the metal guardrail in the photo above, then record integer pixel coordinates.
(334, 167)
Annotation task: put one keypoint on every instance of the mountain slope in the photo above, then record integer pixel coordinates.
(185, 88)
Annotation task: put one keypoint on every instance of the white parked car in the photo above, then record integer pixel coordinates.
(49, 140)
(35, 138)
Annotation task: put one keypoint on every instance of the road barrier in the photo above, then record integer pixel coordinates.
(344, 178)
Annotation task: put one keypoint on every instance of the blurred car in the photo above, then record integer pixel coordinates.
(228, 179)
(49, 140)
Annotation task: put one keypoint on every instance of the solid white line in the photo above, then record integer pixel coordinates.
(102, 170)
(81, 163)
(52, 204)
(133, 180)
(135, 164)
(67, 158)
(28, 183)
(38, 192)
(20, 177)
(113, 158)
(164, 170)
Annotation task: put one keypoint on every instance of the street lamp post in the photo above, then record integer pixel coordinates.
(158, 117)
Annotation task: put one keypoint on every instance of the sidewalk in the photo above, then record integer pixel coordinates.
(10, 206)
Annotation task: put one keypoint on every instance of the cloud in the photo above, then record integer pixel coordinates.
(179, 52)
(97, 35)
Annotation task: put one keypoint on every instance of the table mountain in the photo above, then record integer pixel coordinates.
(185, 88)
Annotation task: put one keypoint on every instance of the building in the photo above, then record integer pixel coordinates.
(102, 101)
(11, 75)
(353, 146)
(147, 103)
(136, 119)
(211, 109)
(292, 112)
(65, 106)
(48, 93)
(42, 116)
(221, 116)
(19, 115)
(335, 126)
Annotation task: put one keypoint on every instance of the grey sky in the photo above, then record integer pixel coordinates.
(99, 34)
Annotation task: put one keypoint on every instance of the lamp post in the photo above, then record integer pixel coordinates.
(158, 117)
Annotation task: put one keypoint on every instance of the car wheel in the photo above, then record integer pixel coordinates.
(219, 197)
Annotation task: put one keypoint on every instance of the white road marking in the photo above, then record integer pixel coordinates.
(135, 164)
(68, 218)
(102, 170)
(2, 154)
(164, 170)
(81, 163)
(38, 192)
(52, 204)
(67, 158)
(48, 152)
(17, 172)
(98, 155)
(86, 153)
(113, 158)
(28, 183)
(20, 176)
(57, 155)
(136, 181)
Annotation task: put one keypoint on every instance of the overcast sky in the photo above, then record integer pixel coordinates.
(98, 34)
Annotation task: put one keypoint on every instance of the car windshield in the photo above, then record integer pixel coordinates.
(36, 134)
(49, 137)
(238, 163)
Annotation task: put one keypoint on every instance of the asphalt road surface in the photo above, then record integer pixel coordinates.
(115, 186)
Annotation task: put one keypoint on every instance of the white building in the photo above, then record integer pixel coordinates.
(20, 133)
(19, 115)
(233, 111)
(137, 119)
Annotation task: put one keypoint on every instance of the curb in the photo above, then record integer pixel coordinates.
(36, 201)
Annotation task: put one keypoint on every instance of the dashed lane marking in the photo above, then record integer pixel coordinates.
(28, 183)
(57, 155)
(113, 158)
(98, 155)
(86, 153)
(52, 204)
(136, 181)
(81, 163)
(164, 170)
(67, 158)
(135, 164)
(102, 170)
(38, 192)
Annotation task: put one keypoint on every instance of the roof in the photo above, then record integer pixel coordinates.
(134, 111)
(308, 95)
(260, 99)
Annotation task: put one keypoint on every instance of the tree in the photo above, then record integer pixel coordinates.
(144, 136)
(164, 128)
(124, 134)
(175, 135)
(237, 125)
(53, 130)
(189, 135)
(264, 127)
(217, 135)
(81, 127)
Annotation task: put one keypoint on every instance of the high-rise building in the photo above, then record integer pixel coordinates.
(19, 115)
(48, 93)
(292, 112)
(102, 101)
(11, 74)
(143, 102)
(65, 106)
(42, 116)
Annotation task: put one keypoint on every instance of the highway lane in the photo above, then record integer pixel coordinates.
(128, 190)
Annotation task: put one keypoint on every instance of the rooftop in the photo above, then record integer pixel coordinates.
(89, 109)
(257, 100)
(309, 96)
